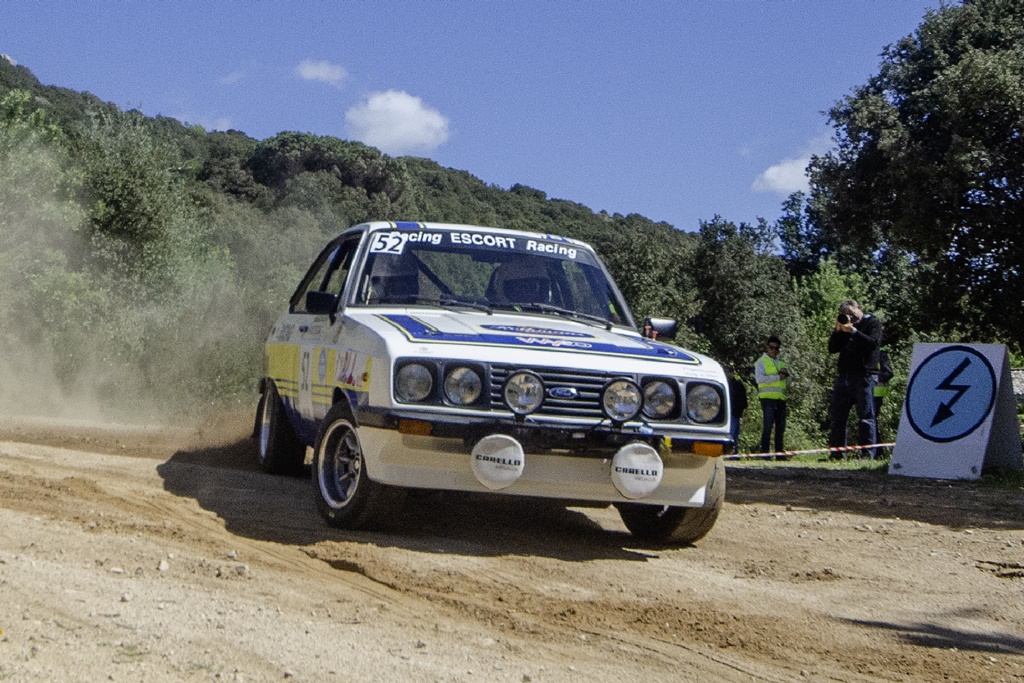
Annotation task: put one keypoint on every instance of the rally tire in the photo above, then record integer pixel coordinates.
(278, 449)
(670, 525)
(345, 495)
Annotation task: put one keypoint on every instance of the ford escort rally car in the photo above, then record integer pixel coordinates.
(466, 358)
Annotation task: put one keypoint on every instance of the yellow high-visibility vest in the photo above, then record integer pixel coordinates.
(775, 389)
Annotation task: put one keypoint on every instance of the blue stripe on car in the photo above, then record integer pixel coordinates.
(418, 331)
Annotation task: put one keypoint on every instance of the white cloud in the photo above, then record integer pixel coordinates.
(231, 78)
(396, 122)
(790, 175)
(325, 72)
(785, 178)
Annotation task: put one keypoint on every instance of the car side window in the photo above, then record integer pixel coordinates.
(341, 264)
(327, 274)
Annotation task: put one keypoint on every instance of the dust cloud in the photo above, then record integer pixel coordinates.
(86, 333)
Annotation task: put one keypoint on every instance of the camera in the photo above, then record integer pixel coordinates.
(843, 319)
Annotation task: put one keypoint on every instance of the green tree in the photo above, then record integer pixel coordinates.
(930, 163)
(278, 159)
(225, 168)
(653, 277)
(744, 291)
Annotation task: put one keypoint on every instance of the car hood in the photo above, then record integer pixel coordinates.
(545, 340)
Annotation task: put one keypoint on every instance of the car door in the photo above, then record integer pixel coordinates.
(314, 309)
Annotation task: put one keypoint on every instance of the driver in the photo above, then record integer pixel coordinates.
(393, 279)
(522, 280)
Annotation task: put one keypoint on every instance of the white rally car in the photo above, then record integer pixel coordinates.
(464, 358)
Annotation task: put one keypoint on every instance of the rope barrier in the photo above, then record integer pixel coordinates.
(786, 454)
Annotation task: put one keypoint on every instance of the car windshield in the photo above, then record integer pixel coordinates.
(488, 271)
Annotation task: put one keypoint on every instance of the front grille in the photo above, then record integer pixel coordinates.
(588, 386)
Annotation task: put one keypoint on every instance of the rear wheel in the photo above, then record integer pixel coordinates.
(345, 495)
(279, 450)
(676, 525)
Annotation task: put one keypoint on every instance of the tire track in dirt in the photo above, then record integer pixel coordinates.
(833, 576)
(135, 507)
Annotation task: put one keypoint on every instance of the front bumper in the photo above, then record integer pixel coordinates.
(564, 461)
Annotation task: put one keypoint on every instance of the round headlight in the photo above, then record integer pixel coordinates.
(621, 400)
(659, 399)
(523, 393)
(703, 403)
(462, 386)
(413, 382)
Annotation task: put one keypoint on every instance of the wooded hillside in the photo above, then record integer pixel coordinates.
(142, 260)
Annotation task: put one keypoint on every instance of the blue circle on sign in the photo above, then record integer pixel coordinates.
(950, 394)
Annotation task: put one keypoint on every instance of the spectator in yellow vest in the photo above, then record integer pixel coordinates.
(772, 386)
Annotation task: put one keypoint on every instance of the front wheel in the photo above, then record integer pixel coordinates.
(672, 525)
(345, 495)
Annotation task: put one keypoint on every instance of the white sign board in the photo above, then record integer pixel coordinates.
(959, 414)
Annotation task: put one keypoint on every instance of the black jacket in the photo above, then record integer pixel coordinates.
(858, 350)
(737, 396)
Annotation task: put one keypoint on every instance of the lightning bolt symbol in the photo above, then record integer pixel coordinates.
(945, 410)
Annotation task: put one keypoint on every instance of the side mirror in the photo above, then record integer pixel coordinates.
(660, 328)
(321, 303)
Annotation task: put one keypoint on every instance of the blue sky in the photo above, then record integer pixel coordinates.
(677, 110)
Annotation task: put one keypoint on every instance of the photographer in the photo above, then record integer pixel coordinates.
(856, 338)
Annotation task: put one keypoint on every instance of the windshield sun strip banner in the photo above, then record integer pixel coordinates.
(394, 242)
(417, 331)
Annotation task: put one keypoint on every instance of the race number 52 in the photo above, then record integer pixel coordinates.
(388, 243)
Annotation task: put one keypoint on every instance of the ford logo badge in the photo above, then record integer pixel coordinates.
(563, 392)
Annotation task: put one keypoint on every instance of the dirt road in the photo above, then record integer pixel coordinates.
(131, 554)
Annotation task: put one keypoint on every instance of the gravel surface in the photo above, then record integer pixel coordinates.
(159, 554)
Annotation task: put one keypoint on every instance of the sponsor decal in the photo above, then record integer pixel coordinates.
(305, 400)
(351, 369)
(548, 248)
(504, 463)
(497, 461)
(555, 343)
(536, 331)
(321, 369)
(637, 470)
(483, 239)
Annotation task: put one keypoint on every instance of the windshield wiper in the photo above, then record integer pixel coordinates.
(437, 301)
(567, 312)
